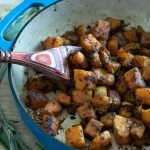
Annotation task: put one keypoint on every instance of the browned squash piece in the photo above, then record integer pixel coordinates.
(104, 56)
(103, 43)
(143, 96)
(145, 40)
(146, 118)
(37, 99)
(52, 42)
(130, 97)
(115, 24)
(132, 48)
(138, 130)
(139, 31)
(86, 112)
(146, 73)
(63, 98)
(101, 142)
(113, 47)
(122, 128)
(141, 61)
(50, 124)
(108, 119)
(40, 83)
(121, 86)
(116, 102)
(101, 30)
(89, 43)
(137, 112)
(93, 128)
(145, 52)
(125, 58)
(81, 30)
(100, 90)
(95, 59)
(75, 137)
(130, 35)
(126, 109)
(79, 60)
(52, 108)
(80, 97)
(85, 80)
(134, 79)
(104, 77)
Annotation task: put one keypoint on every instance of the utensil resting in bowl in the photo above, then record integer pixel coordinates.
(52, 62)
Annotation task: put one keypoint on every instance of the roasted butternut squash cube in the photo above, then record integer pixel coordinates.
(86, 112)
(122, 127)
(37, 99)
(146, 73)
(93, 128)
(113, 47)
(137, 112)
(141, 61)
(52, 42)
(50, 124)
(101, 30)
(81, 30)
(144, 41)
(52, 108)
(125, 58)
(134, 79)
(138, 130)
(104, 56)
(79, 60)
(95, 59)
(115, 101)
(84, 80)
(146, 118)
(143, 96)
(63, 98)
(100, 90)
(132, 48)
(115, 24)
(139, 31)
(130, 97)
(89, 43)
(101, 142)
(131, 36)
(104, 77)
(80, 97)
(108, 119)
(75, 137)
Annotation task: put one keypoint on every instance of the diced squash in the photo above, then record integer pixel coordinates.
(52, 108)
(130, 97)
(134, 79)
(115, 24)
(104, 56)
(144, 41)
(101, 30)
(50, 124)
(37, 99)
(104, 77)
(126, 110)
(113, 47)
(146, 118)
(131, 36)
(125, 58)
(145, 52)
(116, 102)
(75, 137)
(122, 128)
(139, 31)
(81, 97)
(137, 112)
(138, 130)
(146, 73)
(141, 61)
(93, 128)
(101, 142)
(143, 96)
(100, 90)
(63, 98)
(84, 80)
(108, 119)
(132, 48)
(52, 42)
(81, 30)
(89, 43)
(79, 60)
(86, 112)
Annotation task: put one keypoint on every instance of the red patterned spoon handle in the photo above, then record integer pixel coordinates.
(51, 62)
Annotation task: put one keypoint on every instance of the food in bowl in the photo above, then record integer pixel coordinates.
(111, 76)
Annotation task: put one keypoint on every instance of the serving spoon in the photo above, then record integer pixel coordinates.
(52, 62)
